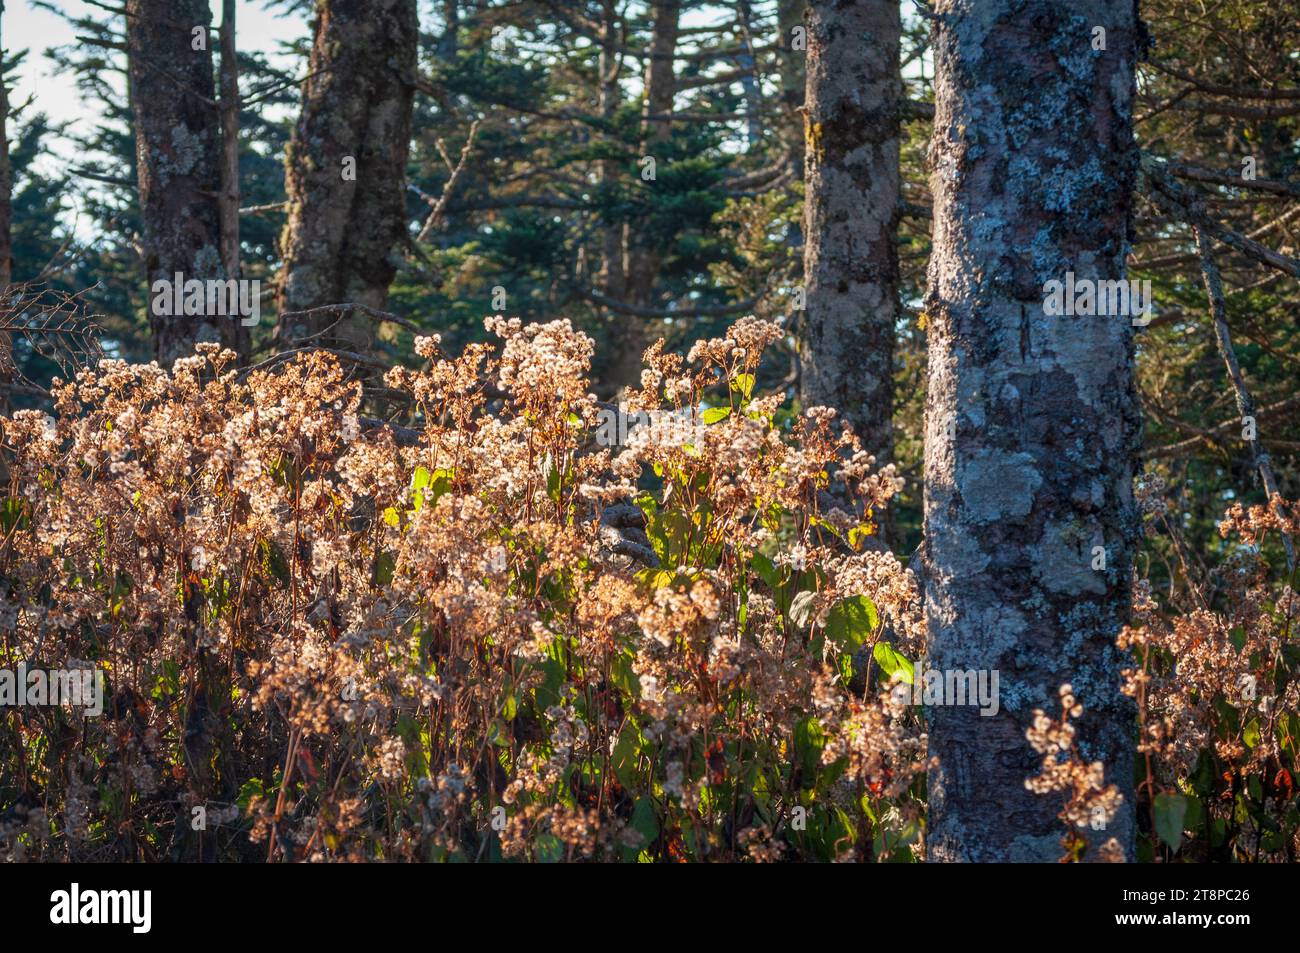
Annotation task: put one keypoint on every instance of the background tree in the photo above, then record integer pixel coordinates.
(853, 106)
(346, 170)
(178, 145)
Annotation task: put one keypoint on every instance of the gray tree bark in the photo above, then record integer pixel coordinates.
(851, 190)
(178, 163)
(230, 191)
(344, 231)
(1032, 421)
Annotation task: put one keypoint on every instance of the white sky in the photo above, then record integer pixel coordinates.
(36, 30)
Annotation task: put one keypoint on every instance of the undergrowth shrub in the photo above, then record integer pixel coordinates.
(484, 637)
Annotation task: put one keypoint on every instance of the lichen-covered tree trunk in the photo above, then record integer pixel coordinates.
(851, 181)
(178, 163)
(1031, 420)
(345, 170)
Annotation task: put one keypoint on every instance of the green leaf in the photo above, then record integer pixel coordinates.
(766, 570)
(419, 480)
(743, 384)
(891, 662)
(1250, 734)
(430, 486)
(13, 514)
(553, 479)
(549, 849)
(801, 609)
(251, 788)
(809, 740)
(714, 414)
(645, 821)
(274, 563)
(385, 563)
(850, 623)
(624, 757)
(1170, 810)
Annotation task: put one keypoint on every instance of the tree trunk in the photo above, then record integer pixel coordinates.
(1032, 420)
(178, 164)
(8, 370)
(790, 72)
(6, 180)
(610, 278)
(641, 251)
(346, 170)
(851, 214)
(641, 261)
(229, 142)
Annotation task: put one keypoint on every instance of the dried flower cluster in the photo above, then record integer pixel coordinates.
(326, 637)
(1091, 803)
(1217, 682)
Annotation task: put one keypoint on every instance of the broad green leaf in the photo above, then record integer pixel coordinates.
(645, 821)
(1250, 734)
(809, 739)
(850, 623)
(624, 757)
(801, 609)
(549, 849)
(553, 479)
(419, 480)
(1170, 810)
(714, 414)
(385, 563)
(891, 662)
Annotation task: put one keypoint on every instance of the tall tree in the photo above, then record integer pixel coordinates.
(178, 162)
(642, 258)
(7, 367)
(852, 106)
(229, 108)
(346, 169)
(1032, 420)
(641, 245)
(610, 278)
(6, 180)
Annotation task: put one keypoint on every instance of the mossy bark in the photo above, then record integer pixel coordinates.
(1032, 421)
(345, 170)
(851, 190)
(178, 150)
